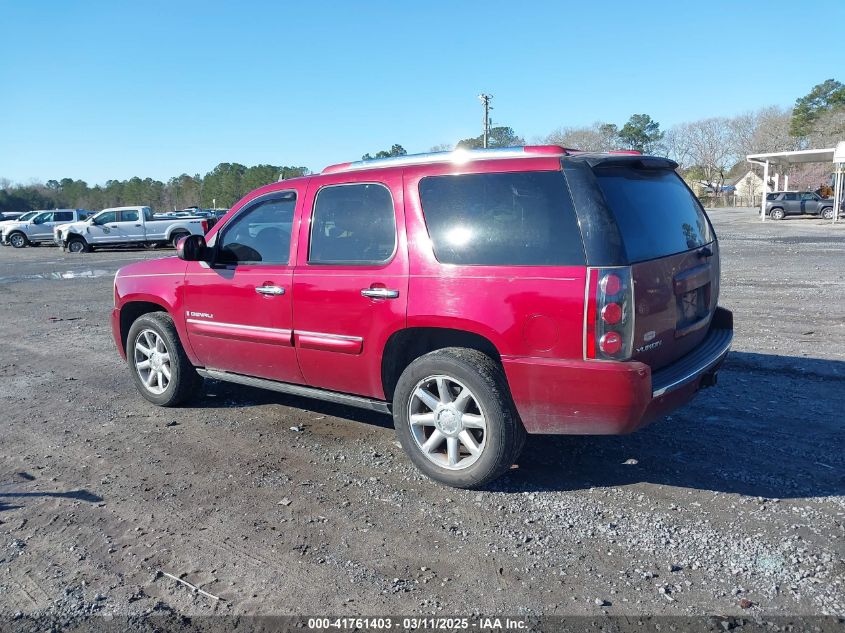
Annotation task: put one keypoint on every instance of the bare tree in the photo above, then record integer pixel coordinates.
(706, 147)
(598, 137)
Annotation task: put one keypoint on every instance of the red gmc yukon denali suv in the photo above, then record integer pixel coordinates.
(476, 296)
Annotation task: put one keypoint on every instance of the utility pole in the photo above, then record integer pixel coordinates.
(485, 100)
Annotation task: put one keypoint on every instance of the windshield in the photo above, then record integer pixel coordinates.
(656, 213)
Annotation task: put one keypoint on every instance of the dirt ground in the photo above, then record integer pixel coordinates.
(278, 505)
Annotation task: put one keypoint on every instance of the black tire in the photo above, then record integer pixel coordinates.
(827, 213)
(178, 235)
(777, 214)
(504, 435)
(18, 239)
(77, 244)
(184, 380)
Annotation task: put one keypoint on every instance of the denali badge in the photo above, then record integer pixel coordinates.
(202, 315)
(649, 336)
(648, 347)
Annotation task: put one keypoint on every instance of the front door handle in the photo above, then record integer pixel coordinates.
(272, 291)
(379, 293)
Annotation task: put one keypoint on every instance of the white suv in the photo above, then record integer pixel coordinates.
(39, 228)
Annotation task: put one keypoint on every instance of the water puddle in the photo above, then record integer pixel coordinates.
(68, 274)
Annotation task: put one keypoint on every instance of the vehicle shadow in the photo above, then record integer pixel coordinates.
(78, 495)
(772, 428)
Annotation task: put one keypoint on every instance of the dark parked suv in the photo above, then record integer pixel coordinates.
(474, 295)
(780, 204)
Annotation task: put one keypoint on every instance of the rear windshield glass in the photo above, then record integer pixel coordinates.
(656, 213)
(502, 219)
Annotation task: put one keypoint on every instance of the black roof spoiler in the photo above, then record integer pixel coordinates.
(623, 160)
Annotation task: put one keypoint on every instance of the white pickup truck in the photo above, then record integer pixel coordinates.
(126, 226)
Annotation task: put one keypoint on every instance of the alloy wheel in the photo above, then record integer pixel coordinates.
(447, 422)
(152, 361)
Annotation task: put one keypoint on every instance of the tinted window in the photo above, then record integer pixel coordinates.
(352, 224)
(63, 216)
(808, 196)
(510, 219)
(656, 213)
(771, 196)
(128, 216)
(790, 196)
(260, 234)
(148, 214)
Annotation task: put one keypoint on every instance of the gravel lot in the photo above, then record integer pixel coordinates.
(279, 505)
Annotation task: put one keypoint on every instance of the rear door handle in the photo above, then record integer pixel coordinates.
(272, 291)
(379, 293)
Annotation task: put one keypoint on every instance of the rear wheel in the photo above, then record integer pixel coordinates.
(77, 245)
(454, 417)
(160, 368)
(178, 235)
(18, 240)
(827, 213)
(777, 214)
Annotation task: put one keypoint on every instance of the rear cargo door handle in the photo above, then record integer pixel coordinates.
(272, 291)
(379, 293)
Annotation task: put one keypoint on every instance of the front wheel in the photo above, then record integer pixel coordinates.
(454, 417)
(160, 368)
(77, 245)
(18, 240)
(827, 213)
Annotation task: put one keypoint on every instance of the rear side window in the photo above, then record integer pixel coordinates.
(771, 196)
(129, 216)
(352, 224)
(63, 216)
(502, 219)
(657, 215)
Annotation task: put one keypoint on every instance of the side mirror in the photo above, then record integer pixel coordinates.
(192, 248)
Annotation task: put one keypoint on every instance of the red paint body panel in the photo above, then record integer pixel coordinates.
(346, 332)
(522, 310)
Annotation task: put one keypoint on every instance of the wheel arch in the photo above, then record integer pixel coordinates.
(131, 310)
(408, 344)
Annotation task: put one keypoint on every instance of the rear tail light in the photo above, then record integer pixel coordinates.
(205, 226)
(609, 326)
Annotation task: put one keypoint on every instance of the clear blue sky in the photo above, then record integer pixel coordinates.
(104, 89)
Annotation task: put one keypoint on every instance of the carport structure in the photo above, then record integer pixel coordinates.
(781, 160)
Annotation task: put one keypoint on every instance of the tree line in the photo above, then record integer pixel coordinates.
(221, 187)
(709, 151)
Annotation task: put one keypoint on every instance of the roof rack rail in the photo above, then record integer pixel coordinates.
(459, 155)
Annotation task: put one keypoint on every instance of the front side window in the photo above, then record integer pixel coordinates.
(42, 218)
(261, 234)
(106, 218)
(808, 196)
(352, 224)
(502, 219)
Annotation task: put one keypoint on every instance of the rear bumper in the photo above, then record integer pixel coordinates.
(580, 397)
